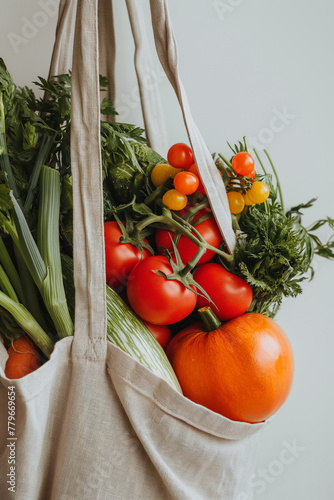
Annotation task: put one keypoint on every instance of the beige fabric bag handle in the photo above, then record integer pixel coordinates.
(92, 22)
(107, 46)
(61, 59)
(149, 92)
(88, 237)
(167, 51)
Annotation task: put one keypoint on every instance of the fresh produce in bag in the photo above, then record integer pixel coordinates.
(165, 256)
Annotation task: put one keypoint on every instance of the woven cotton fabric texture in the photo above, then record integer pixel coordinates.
(110, 429)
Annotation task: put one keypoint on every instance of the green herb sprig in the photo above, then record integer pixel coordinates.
(275, 251)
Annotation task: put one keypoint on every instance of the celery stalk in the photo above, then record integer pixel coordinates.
(43, 152)
(36, 264)
(43, 259)
(28, 323)
(5, 165)
(28, 263)
(30, 296)
(25, 242)
(6, 286)
(52, 288)
(10, 270)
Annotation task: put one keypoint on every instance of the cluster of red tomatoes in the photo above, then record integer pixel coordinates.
(157, 299)
(181, 167)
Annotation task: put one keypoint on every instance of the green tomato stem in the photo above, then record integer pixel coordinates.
(225, 160)
(157, 193)
(277, 181)
(195, 209)
(259, 160)
(209, 318)
(193, 262)
(181, 226)
(206, 245)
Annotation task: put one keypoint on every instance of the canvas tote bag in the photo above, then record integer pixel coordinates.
(92, 423)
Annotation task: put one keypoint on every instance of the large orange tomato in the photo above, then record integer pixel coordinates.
(242, 369)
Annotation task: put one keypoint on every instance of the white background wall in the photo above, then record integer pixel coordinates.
(242, 62)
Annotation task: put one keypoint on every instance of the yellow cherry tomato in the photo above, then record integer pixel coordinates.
(236, 202)
(247, 199)
(174, 200)
(259, 192)
(162, 172)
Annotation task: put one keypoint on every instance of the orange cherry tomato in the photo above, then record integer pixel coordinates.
(186, 182)
(243, 163)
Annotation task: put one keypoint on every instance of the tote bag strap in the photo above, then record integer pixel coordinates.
(168, 55)
(107, 47)
(88, 237)
(61, 59)
(148, 88)
(89, 52)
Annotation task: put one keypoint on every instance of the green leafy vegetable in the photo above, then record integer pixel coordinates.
(274, 251)
(272, 256)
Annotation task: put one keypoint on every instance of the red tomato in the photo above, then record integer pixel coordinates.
(120, 257)
(243, 164)
(161, 333)
(155, 298)
(163, 239)
(231, 294)
(180, 156)
(186, 248)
